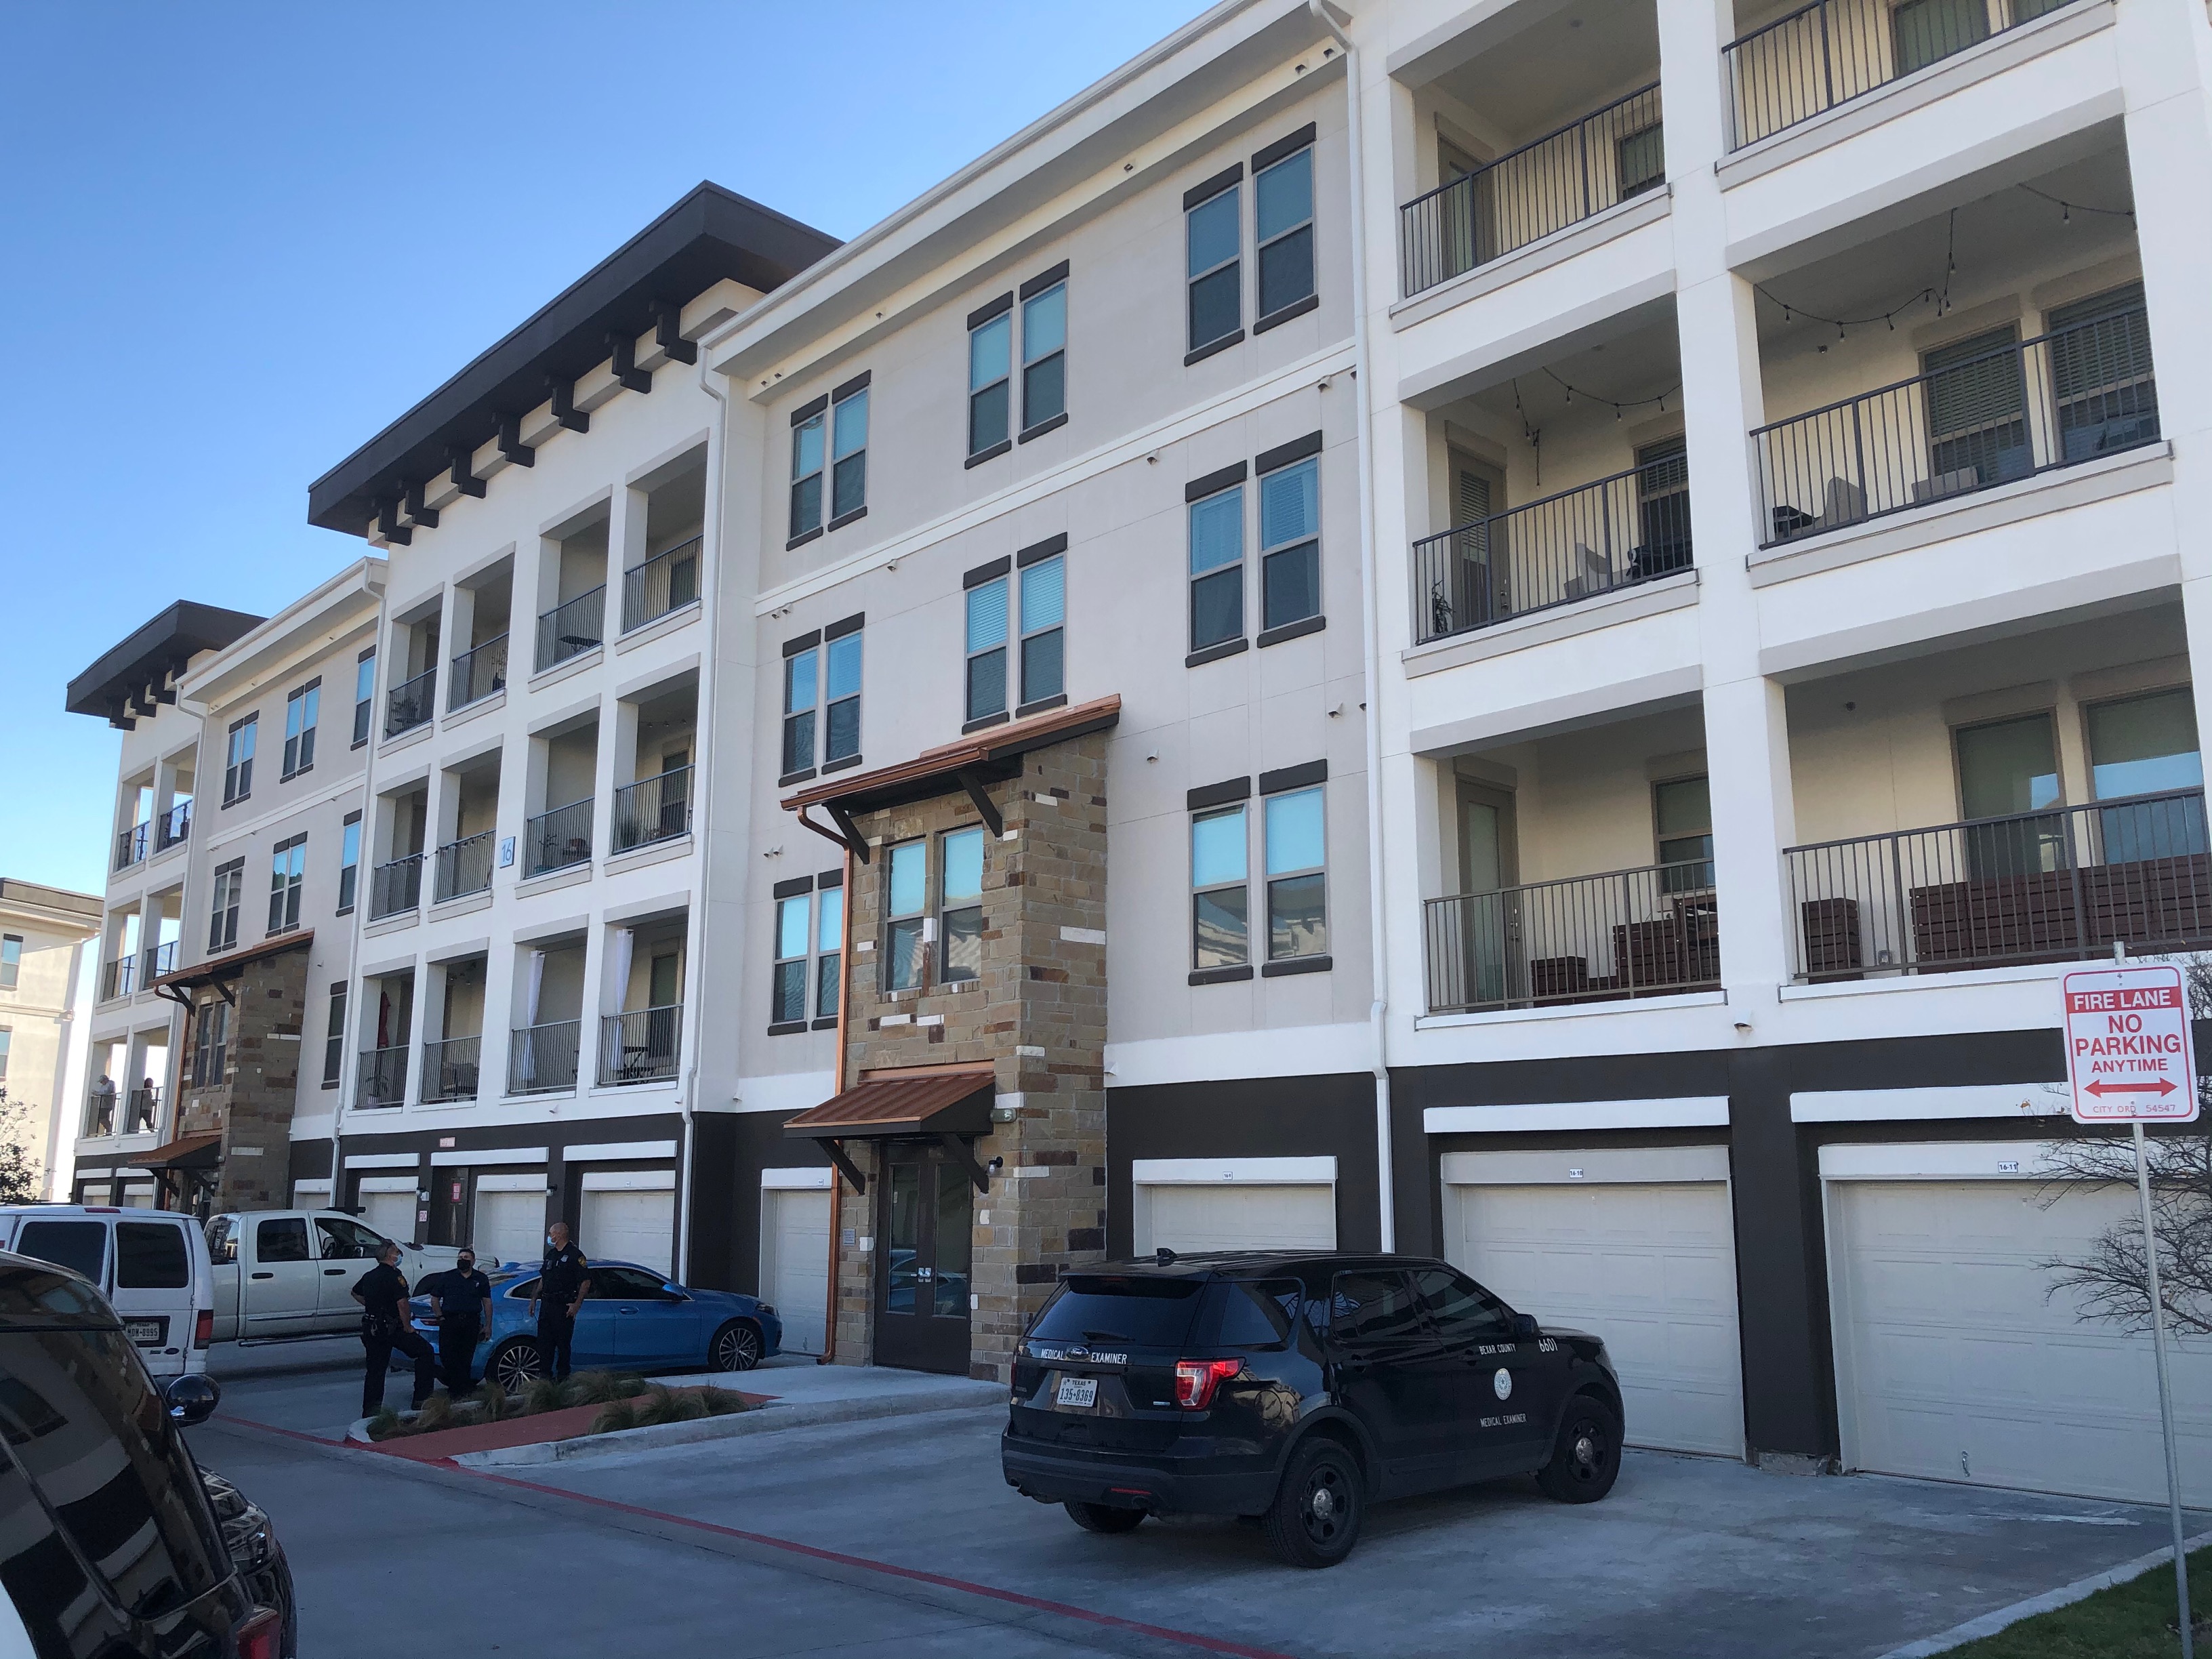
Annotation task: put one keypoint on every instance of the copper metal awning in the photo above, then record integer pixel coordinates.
(947, 1105)
(219, 971)
(185, 1153)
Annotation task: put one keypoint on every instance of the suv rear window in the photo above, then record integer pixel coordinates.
(1145, 1313)
(149, 1255)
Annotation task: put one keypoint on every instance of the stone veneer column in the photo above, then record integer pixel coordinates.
(253, 1109)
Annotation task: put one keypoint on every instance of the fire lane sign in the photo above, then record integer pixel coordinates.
(2128, 1052)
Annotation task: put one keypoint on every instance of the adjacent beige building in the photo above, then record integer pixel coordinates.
(44, 934)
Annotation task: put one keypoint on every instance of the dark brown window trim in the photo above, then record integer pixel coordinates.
(857, 383)
(1043, 280)
(844, 519)
(801, 539)
(807, 411)
(852, 624)
(1298, 965)
(1296, 630)
(829, 1022)
(363, 743)
(790, 777)
(1044, 550)
(1208, 349)
(1294, 777)
(794, 887)
(1216, 652)
(805, 641)
(1288, 145)
(990, 308)
(829, 879)
(297, 772)
(1043, 426)
(1218, 794)
(343, 910)
(1039, 708)
(829, 766)
(1220, 976)
(1283, 454)
(332, 1083)
(1289, 313)
(986, 573)
(998, 719)
(1003, 447)
(786, 1027)
(1206, 189)
(1213, 483)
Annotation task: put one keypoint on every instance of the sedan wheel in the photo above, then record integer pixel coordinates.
(513, 1364)
(737, 1347)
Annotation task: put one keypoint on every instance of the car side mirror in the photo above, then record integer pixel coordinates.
(1525, 1325)
(677, 1290)
(192, 1398)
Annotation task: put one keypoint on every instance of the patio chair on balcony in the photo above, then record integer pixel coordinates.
(1594, 573)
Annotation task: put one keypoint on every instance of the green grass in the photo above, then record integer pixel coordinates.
(2134, 1620)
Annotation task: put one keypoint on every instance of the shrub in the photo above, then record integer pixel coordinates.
(437, 1412)
(384, 1425)
(540, 1393)
(493, 1405)
(615, 1415)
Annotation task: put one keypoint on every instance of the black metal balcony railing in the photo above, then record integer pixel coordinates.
(1833, 51)
(449, 1068)
(131, 845)
(384, 1076)
(542, 1058)
(142, 1110)
(99, 1110)
(1526, 194)
(653, 809)
(666, 581)
(639, 1046)
(2066, 397)
(1652, 931)
(1618, 531)
(411, 703)
(159, 959)
(174, 826)
(118, 978)
(557, 839)
(464, 867)
(2051, 886)
(397, 887)
(568, 628)
(477, 673)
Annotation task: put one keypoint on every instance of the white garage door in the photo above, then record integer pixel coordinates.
(638, 1227)
(391, 1214)
(1650, 1268)
(1237, 1216)
(795, 1274)
(509, 1226)
(1953, 1364)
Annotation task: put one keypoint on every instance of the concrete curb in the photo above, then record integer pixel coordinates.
(2065, 1596)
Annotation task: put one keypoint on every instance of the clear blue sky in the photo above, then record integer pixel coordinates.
(241, 239)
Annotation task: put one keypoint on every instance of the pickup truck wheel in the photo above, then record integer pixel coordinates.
(736, 1347)
(1586, 1457)
(1315, 1519)
(513, 1364)
(1099, 1517)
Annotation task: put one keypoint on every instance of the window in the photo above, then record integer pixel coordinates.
(79, 1246)
(2008, 772)
(349, 862)
(1461, 1310)
(789, 991)
(238, 764)
(11, 960)
(1039, 623)
(1213, 238)
(1283, 198)
(346, 1241)
(986, 649)
(1219, 898)
(1044, 353)
(281, 1239)
(1641, 160)
(801, 687)
(1927, 31)
(149, 1255)
(1682, 815)
(1216, 569)
(300, 709)
(842, 695)
(960, 920)
(334, 1037)
(7, 1040)
(1977, 415)
(1297, 883)
(364, 695)
(821, 693)
(906, 875)
(1373, 1308)
(1289, 545)
(1043, 616)
(2100, 374)
(210, 1042)
(848, 455)
(2147, 746)
(229, 885)
(806, 471)
(1662, 508)
(990, 377)
(829, 943)
(288, 867)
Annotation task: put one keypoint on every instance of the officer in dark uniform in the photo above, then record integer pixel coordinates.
(382, 1293)
(463, 1299)
(562, 1283)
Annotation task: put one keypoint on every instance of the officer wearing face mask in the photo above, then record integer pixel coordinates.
(562, 1283)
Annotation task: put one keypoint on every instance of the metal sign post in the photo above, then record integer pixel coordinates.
(2129, 1059)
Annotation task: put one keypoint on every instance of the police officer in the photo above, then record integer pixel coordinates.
(562, 1283)
(382, 1293)
(463, 1299)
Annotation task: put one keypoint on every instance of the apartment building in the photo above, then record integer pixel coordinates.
(45, 933)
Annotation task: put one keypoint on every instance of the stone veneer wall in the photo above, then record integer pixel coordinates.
(1037, 1015)
(252, 1108)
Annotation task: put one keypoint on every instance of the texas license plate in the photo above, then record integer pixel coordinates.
(1081, 1392)
(146, 1333)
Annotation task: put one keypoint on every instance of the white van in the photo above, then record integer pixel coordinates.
(151, 1265)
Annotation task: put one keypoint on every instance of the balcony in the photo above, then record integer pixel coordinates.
(653, 809)
(557, 839)
(118, 978)
(1644, 932)
(477, 673)
(100, 1108)
(464, 867)
(541, 1059)
(1614, 533)
(384, 1076)
(639, 1046)
(142, 1110)
(397, 887)
(1527, 194)
(159, 959)
(411, 703)
(1833, 51)
(569, 628)
(667, 581)
(173, 826)
(449, 1069)
(2061, 885)
(131, 845)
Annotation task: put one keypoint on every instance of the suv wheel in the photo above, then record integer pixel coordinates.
(1315, 1519)
(1100, 1517)
(1586, 1457)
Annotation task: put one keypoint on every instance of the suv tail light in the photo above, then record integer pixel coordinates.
(204, 1327)
(1196, 1380)
(260, 1636)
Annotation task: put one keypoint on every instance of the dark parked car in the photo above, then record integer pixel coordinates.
(1296, 1388)
(109, 1543)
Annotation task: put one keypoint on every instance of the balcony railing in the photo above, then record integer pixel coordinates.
(1652, 931)
(477, 673)
(100, 1108)
(411, 703)
(542, 1058)
(653, 809)
(142, 1110)
(449, 1068)
(119, 977)
(1833, 51)
(639, 1046)
(666, 581)
(2060, 885)
(131, 844)
(1614, 533)
(464, 867)
(557, 839)
(173, 826)
(396, 887)
(569, 629)
(159, 959)
(2064, 397)
(384, 1076)
(1557, 181)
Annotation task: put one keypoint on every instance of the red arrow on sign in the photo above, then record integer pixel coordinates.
(2158, 1086)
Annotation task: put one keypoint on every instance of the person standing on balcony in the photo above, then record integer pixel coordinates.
(563, 1281)
(103, 1107)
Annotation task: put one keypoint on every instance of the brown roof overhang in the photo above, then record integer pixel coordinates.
(945, 1104)
(185, 1152)
(216, 970)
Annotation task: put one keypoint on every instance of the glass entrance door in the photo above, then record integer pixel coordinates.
(923, 1241)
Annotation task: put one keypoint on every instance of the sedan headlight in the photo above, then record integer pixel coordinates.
(768, 1307)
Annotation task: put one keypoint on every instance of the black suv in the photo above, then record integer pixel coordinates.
(1295, 1387)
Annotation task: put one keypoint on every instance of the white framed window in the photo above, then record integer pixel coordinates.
(802, 670)
(11, 960)
(793, 932)
(906, 901)
(960, 904)
(990, 378)
(238, 760)
(822, 698)
(837, 423)
(334, 1037)
(7, 1039)
(210, 1044)
(287, 866)
(988, 616)
(349, 862)
(1017, 632)
(1220, 889)
(1289, 545)
(1044, 351)
(222, 924)
(1216, 564)
(364, 696)
(1298, 874)
(848, 452)
(1283, 228)
(830, 945)
(1212, 260)
(301, 709)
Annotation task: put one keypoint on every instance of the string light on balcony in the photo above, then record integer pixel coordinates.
(1615, 405)
(1940, 296)
(2067, 210)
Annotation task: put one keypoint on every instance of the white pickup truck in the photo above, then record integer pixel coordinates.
(291, 1273)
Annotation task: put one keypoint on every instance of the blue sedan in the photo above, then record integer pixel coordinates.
(633, 1320)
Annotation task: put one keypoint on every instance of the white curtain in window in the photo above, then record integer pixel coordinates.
(536, 983)
(618, 968)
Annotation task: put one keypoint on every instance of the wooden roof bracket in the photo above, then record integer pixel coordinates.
(957, 1149)
(972, 781)
(846, 1167)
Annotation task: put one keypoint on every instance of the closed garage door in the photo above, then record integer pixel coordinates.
(510, 1225)
(1238, 1217)
(391, 1214)
(1954, 1364)
(630, 1227)
(1651, 1267)
(795, 1270)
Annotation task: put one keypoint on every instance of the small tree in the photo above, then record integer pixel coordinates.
(19, 1170)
